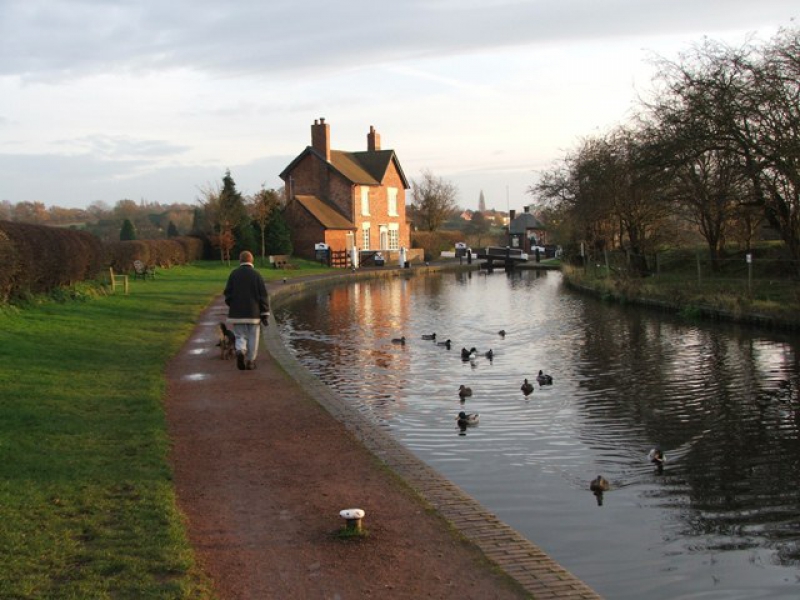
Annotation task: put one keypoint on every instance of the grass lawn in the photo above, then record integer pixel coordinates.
(86, 497)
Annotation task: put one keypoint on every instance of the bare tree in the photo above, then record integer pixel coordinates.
(434, 201)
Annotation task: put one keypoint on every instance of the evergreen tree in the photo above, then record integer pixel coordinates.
(278, 238)
(232, 206)
(172, 230)
(128, 232)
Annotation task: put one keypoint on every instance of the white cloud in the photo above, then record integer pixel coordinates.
(115, 94)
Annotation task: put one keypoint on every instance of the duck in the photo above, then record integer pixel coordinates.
(464, 392)
(502, 333)
(431, 336)
(656, 456)
(467, 419)
(489, 354)
(598, 486)
(400, 340)
(444, 344)
(527, 387)
(544, 379)
(468, 354)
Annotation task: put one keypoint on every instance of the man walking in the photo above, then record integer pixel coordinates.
(248, 306)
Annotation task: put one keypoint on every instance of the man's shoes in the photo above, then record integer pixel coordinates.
(251, 365)
(240, 361)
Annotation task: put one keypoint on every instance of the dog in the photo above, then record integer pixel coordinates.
(227, 342)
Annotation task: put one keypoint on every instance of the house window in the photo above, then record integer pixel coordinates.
(394, 237)
(391, 199)
(365, 237)
(365, 201)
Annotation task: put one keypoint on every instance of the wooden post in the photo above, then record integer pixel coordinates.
(749, 273)
(699, 271)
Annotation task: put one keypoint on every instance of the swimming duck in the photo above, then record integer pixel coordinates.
(489, 354)
(464, 392)
(502, 333)
(400, 340)
(468, 354)
(599, 485)
(656, 456)
(431, 336)
(527, 387)
(544, 379)
(445, 344)
(465, 419)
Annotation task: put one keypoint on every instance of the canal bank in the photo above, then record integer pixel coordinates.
(262, 471)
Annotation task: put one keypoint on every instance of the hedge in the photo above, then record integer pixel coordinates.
(36, 259)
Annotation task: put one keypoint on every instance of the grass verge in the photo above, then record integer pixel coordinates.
(86, 496)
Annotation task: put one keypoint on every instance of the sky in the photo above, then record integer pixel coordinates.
(152, 100)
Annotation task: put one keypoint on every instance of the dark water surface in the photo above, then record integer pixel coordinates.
(723, 521)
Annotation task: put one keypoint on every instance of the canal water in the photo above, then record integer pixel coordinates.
(723, 519)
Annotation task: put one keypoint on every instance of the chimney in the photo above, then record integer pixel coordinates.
(511, 214)
(373, 140)
(321, 138)
(526, 208)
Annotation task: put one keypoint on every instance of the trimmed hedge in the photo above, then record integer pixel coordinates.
(36, 259)
(161, 253)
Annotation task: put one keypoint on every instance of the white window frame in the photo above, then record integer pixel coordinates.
(391, 201)
(364, 201)
(365, 235)
(394, 236)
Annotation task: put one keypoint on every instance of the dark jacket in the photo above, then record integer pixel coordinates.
(246, 295)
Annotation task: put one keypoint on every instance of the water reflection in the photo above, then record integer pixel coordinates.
(722, 519)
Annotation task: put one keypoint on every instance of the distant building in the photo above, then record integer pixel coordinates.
(526, 231)
(345, 199)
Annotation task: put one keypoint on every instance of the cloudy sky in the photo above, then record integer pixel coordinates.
(152, 100)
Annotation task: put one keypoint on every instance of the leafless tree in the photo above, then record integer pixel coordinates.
(434, 201)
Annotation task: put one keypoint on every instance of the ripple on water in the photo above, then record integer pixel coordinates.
(721, 402)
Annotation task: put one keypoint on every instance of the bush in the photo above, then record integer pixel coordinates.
(40, 259)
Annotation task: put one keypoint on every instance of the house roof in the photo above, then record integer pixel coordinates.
(524, 222)
(360, 168)
(323, 212)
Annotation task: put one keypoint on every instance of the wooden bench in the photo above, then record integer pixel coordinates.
(143, 271)
(117, 279)
(280, 261)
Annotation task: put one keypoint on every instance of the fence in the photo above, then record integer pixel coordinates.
(744, 272)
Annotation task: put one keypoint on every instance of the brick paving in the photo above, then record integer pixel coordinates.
(517, 556)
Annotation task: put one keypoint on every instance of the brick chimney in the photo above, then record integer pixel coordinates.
(321, 138)
(373, 140)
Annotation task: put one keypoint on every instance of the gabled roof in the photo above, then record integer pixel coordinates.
(525, 222)
(360, 168)
(328, 216)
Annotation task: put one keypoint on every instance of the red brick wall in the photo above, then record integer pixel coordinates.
(340, 193)
(379, 210)
(305, 230)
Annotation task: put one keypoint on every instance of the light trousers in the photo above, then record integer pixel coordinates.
(247, 338)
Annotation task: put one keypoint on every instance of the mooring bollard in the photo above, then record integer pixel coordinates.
(353, 517)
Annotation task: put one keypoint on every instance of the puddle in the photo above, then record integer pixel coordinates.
(199, 351)
(196, 376)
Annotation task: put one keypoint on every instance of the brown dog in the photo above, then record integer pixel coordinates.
(227, 342)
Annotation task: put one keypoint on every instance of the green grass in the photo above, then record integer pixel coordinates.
(87, 503)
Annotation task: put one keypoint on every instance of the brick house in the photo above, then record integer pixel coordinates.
(346, 199)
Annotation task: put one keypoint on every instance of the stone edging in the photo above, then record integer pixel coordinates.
(519, 558)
